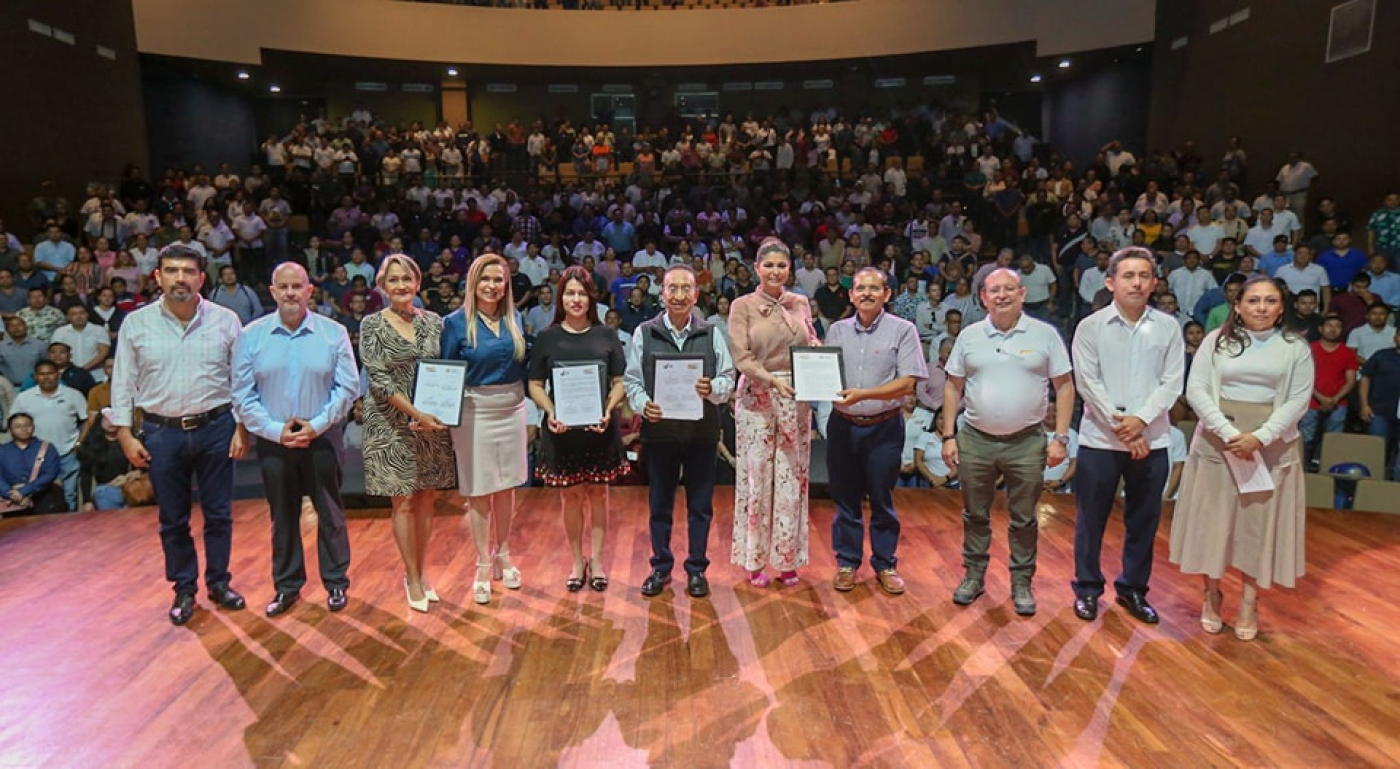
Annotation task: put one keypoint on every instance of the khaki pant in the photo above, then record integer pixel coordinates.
(1019, 460)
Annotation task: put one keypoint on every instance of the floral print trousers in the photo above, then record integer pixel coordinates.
(773, 447)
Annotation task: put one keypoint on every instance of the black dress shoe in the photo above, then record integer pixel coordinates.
(282, 603)
(697, 586)
(182, 609)
(1137, 605)
(226, 597)
(336, 600)
(1087, 608)
(655, 583)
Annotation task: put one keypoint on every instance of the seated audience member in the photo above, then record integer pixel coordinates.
(928, 459)
(41, 317)
(103, 468)
(28, 470)
(1374, 335)
(68, 375)
(1352, 305)
(1303, 318)
(12, 297)
(88, 344)
(1176, 459)
(19, 351)
(916, 424)
(1216, 317)
(236, 296)
(1280, 254)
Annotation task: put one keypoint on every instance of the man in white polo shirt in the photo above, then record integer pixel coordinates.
(1302, 273)
(1129, 367)
(1004, 364)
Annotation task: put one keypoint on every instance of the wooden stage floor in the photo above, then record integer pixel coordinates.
(94, 676)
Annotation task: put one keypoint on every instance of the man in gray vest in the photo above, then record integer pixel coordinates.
(676, 448)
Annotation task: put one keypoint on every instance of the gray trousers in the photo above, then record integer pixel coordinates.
(1018, 460)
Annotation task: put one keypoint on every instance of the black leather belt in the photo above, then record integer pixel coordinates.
(871, 420)
(191, 422)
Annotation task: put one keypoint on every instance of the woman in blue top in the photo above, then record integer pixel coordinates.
(492, 453)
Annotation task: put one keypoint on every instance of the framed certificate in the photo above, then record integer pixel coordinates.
(438, 389)
(673, 385)
(818, 373)
(578, 392)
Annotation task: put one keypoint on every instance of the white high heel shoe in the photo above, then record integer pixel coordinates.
(508, 575)
(481, 590)
(419, 605)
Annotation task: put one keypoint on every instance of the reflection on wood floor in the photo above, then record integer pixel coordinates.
(784, 676)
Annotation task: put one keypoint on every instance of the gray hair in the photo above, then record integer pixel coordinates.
(1131, 252)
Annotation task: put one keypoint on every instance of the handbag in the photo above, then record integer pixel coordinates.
(138, 491)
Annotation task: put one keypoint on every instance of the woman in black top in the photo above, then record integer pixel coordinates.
(580, 461)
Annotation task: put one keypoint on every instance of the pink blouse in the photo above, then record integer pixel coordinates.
(761, 329)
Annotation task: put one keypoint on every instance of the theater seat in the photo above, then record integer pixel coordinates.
(1340, 448)
(1319, 491)
(1375, 496)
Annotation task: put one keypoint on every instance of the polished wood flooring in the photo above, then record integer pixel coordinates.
(94, 676)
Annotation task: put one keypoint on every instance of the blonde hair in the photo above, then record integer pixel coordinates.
(408, 264)
(506, 306)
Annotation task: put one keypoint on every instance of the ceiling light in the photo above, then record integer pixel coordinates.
(243, 74)
(1064, 64)
(452, 72)
(1036, 78)
(274, 88)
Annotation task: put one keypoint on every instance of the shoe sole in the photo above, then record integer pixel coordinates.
(1026, 611)
(968, 601)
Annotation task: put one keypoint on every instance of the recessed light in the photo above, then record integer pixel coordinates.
(1036, 78)
(274, 88)
(243, 74)
(452, 72)
(1064, 64)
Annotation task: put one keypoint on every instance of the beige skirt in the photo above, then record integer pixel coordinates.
(492, 454)
(1215, 527)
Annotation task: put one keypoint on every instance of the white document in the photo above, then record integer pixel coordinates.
(675, 381)
(817, 374)
(578, 394)
(1251, 475)
(438, 390)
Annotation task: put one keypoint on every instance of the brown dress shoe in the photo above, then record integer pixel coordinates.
(890, 582)
(845, 579)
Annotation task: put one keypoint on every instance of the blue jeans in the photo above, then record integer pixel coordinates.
(863, 460)
(179, 459)
(68, 475)
(108, 498)
(1332, 422)
(1387, 427)
(666, 462)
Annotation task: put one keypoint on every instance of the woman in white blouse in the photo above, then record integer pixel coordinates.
(1249, 385)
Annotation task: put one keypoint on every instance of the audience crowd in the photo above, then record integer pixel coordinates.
(936, 200)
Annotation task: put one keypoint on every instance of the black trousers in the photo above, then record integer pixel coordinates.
(1096, 477)
(288, 475)
(665, 464)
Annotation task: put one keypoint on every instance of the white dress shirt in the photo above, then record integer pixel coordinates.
(174, 370)
(1126, 369)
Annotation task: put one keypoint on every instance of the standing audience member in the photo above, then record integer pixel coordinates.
(1129, 363)
(174, 363)
(1249, 385)
(1334, 377)
(1004, 366)
(773, 429)
(294, 381)
(1380, 397)
(57, 411)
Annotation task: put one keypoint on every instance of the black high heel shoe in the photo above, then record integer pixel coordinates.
(598, 582)
(575, 584)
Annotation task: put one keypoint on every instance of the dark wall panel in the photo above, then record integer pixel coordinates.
(1265, 79)
(193, 121)
(71, 115)
(1082, 114)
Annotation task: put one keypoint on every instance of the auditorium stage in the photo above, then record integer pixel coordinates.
(94, 676)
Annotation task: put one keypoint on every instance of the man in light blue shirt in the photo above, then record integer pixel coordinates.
(54, 253)
(1384, 283)
(294, 382)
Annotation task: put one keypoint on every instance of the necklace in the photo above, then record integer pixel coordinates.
(406, 315)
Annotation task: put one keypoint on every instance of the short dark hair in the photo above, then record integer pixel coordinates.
(1307, 292)
(43, 362)
(179, 251)
(10, 423)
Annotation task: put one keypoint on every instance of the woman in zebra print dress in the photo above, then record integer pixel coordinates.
(407, 453)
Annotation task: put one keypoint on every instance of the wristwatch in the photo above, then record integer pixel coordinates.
(949, 437)
(1063, 438)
